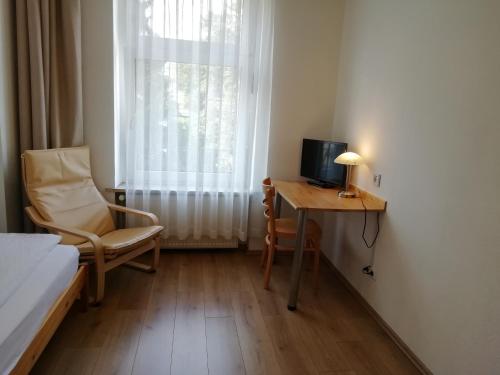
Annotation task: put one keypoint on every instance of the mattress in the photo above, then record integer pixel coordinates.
(27, 305)
(19, 255)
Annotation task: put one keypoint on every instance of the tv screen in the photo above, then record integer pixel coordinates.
(318, 162)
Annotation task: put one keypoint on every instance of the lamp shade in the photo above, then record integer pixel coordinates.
(349, 158)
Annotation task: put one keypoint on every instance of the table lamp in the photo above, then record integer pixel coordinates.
(349, 159)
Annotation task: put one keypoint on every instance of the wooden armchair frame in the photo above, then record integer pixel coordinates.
(101, 264)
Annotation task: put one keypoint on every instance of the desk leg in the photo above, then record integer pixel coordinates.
(277, 208)
(297, 261)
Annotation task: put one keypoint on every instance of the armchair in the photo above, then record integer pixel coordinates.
(65, 201)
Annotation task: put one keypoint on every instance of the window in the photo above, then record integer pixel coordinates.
(189, 81)
(192, 82)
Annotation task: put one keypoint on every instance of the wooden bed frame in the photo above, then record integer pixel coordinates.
(77, 287)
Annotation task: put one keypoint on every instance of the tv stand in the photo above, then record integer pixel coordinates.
(323, 185)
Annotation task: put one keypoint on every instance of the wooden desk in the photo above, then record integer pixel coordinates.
(304, 197)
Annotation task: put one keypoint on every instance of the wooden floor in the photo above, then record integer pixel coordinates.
(208, 313)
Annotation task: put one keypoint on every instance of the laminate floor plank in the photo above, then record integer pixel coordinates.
(154, 353)
(207, 313)
(325, 354)
(270, 303)
(235, 271)
(327, 316)
(118, 352)
(362, 360)
(290, 350)
(76, 361)
(138, 286)
(385, 352)
(189, 352)
(224, 352)
(191, 272)
(256, 345)
(217, 298)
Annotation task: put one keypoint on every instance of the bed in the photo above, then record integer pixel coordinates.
(39, 280)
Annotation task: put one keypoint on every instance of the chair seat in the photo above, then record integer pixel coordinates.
(122, 240)
(287, 227)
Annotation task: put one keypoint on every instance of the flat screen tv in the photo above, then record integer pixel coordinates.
(317, 162)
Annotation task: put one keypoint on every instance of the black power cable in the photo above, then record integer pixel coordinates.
(364, 227)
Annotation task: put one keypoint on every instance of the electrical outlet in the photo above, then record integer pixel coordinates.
(369, 271)
(376, 179)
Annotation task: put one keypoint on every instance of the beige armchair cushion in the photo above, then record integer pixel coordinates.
(59, 185)
(122, 240)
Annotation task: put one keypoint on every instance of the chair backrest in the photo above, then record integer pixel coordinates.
(268, 203)
(59, 185)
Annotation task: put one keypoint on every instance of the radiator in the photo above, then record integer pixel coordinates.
(204, 243)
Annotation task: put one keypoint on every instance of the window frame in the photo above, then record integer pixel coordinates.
(183, 54)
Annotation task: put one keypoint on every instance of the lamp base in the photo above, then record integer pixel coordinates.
(347, 194)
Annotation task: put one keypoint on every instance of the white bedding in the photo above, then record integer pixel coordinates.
(19, 255)
(26, 307)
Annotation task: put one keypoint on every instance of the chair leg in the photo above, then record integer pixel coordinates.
(140, 266)
(151, 268)
(270, 258)
(264, 253)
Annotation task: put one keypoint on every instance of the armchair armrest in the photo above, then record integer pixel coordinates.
(39, 221)
(152, 217)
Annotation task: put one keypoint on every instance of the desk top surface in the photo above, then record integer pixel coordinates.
(301, 195)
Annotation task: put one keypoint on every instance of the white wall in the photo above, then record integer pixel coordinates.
(10, 189)
(98, 102)
(307, 44)
(419, 98)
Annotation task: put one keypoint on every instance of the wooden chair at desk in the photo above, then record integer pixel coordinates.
(285, 228)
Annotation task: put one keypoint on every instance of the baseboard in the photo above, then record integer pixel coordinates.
(381, 322)
(255, 244)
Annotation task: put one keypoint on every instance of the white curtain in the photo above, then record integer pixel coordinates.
(193, 78)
